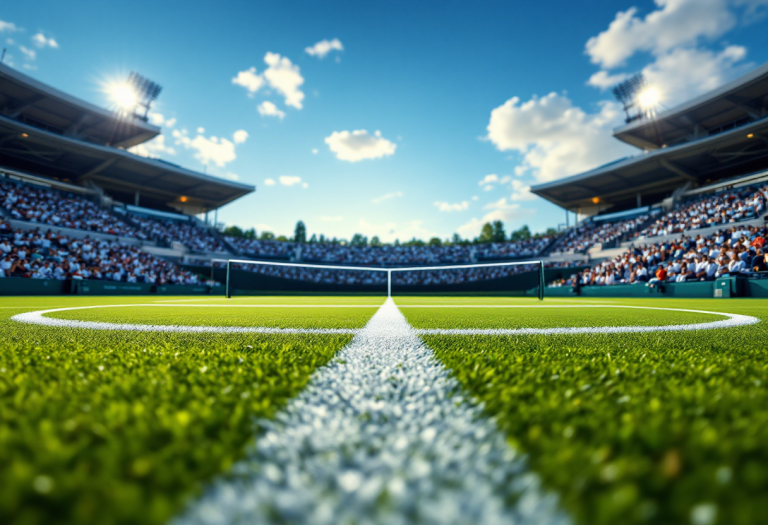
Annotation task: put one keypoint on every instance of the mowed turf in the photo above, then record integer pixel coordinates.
(234, 315)
(668, 428)
(122, 427)
(537, 316)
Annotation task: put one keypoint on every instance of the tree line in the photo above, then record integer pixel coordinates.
(490, 232)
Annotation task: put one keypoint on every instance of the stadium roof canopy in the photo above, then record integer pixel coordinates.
(46, 132)
(731, 105)
(25, 99)
(115, 170)
(719, 135)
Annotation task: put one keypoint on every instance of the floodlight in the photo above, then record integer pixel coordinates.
(146, 91)
(629, 93)
(648, 98)
(124, 96)
(132, 95)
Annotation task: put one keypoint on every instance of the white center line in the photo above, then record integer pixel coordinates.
(380, 435)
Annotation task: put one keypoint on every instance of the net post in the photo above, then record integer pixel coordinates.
(389, 284)
(210, 287)
(229, 268)
(541, 280)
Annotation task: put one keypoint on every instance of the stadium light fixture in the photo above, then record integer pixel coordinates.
(750, 135)
(124, 96)
(133, 95)
(649, 98)
(595, 200)
(638, 98)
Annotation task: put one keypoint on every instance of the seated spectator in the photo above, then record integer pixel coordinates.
(760, 262)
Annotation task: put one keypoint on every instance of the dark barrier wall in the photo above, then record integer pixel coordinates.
(110, 288)
(724, 287)
(15, 286)
(246, 282)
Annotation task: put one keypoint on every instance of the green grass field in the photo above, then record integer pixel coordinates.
(123, 427)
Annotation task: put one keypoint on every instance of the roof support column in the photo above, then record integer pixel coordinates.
(136, 198)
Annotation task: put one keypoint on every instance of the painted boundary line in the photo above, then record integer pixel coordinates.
(380, 435)
(38, 318)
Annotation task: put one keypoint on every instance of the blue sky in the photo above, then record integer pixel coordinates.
(389, 124)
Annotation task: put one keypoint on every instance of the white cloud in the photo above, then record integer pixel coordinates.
(314, 151)
(521, 191)
(30, 67)
(10, 27)
(281, 75)
(154, 148)
(289, 180)
(555, 138)
(488, 179)
(268, 109)
(672, 24)
(684, 73)
(249, 79)
(336, 218)
(604, 80)
(230, 176)
(322, 48)
(475, 197)
(240, 136)
(285, 77)
(201, 130)
(211, 150)
(158, 119)
(269, 182)
(387, 196)
(41, 41)
(447, 206)
(357, 145)
(29, 54)
(305, 185)
(672, 34)
(501, 211)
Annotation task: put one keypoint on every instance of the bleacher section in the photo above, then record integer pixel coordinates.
(44, 254)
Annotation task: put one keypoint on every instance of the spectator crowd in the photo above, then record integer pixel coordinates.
(56, 208)
(47, 255)
(736, 250)
(586, 235)
(168, 231)
(712, 210)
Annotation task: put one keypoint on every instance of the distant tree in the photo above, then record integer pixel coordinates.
(415, 242)
(397, 242)
(313, 239)
(498, 234)
(550, 231)
(322, 238)
(486, 234)
(523, 234)
(375, 241)
(456, 239)
(233, 231)
(250, 234)
(435, 241)
(300, 233)
(359, 239)
(282, 238)
(267, 236)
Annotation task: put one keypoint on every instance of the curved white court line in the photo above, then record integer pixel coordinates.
(38, 318)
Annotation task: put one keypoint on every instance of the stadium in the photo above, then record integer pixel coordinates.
(160, 366)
